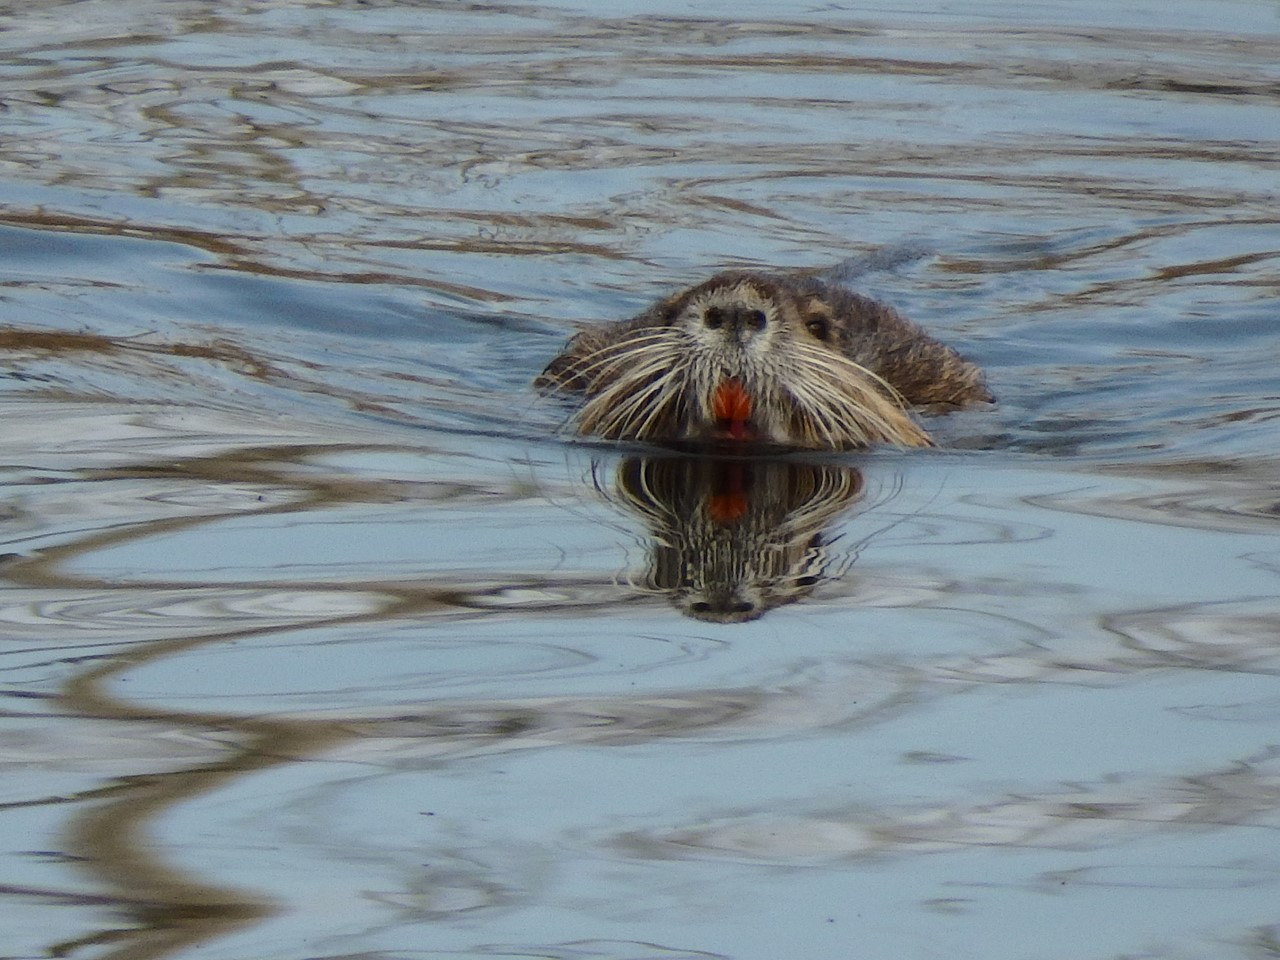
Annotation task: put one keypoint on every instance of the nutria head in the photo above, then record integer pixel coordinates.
(742, 357)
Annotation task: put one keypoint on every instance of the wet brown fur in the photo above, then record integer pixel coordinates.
(649, 378)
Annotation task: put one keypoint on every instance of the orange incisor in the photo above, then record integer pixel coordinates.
(731, 405)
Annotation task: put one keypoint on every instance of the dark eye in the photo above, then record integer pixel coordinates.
(756, 318)
(819, 328)
(713, 318)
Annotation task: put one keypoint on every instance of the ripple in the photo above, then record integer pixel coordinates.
(1099, 815)
(1228, 636)
(141, 616)
(817, 698)
(1248, 503)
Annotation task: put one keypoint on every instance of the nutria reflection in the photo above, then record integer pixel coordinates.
(732, 539)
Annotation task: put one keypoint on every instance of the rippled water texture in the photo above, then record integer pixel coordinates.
(322, 639)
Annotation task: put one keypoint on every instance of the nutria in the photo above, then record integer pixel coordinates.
(785, 359)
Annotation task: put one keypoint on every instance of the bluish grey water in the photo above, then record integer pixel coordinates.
(321, 639)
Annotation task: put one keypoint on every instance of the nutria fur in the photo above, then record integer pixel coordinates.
(784, 359)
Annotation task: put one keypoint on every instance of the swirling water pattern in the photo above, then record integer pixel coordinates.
(319, 640)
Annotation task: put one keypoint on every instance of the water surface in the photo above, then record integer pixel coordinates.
(321, 638)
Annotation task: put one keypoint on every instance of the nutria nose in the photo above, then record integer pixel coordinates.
(725, 606)
(734, 319)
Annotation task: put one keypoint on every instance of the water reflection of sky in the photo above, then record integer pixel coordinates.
(320, 641)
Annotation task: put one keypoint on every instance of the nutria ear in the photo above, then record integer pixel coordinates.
(564, 372)
(670, 308)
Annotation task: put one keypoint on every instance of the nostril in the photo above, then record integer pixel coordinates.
(735, 318)
(746, 319)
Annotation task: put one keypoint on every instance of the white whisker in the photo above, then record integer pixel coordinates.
(659, 375)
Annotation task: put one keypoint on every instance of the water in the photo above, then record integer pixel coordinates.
(321, 640)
